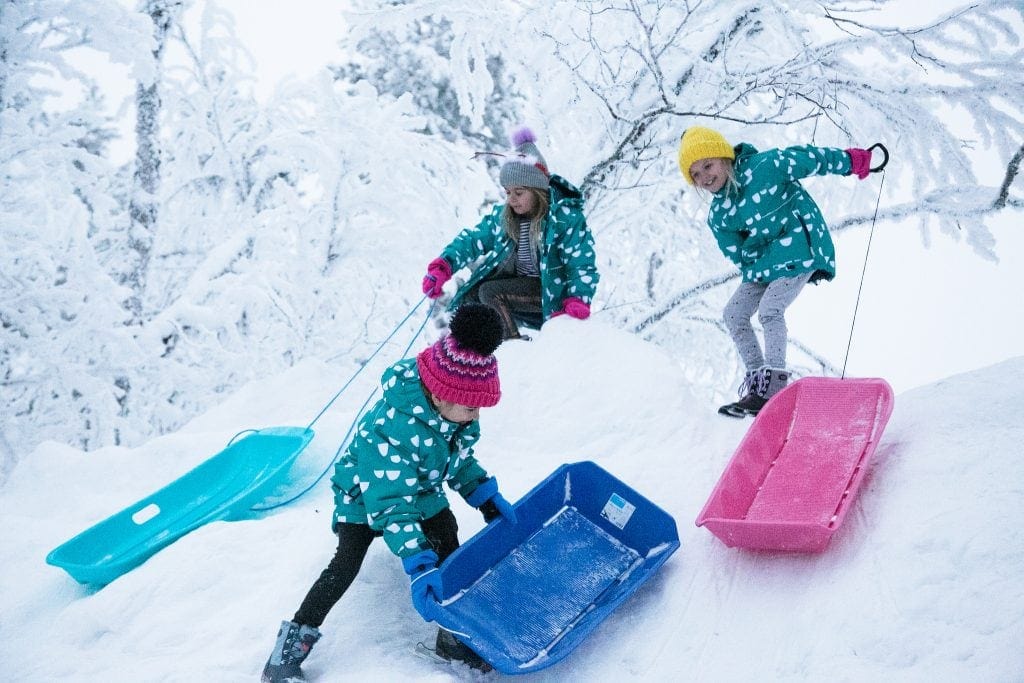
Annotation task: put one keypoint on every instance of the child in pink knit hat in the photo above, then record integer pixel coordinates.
(419, 435)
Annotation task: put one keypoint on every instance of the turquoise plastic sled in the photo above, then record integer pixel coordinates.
(225, 487)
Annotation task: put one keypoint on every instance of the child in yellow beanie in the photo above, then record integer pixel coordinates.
(767, 224)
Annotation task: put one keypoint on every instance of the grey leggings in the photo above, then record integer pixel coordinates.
(770, 300)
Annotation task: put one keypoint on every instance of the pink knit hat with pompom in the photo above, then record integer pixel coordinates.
(461, 367)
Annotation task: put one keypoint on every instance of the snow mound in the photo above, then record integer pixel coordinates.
(923, 583)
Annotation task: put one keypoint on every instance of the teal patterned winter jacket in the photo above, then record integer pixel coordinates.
(391, 474)
(771, 228)
(567, 259)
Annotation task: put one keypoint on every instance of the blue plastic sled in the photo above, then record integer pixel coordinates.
(524, 596)
(225, 487)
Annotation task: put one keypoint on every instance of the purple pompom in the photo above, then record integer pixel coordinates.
(522, 135)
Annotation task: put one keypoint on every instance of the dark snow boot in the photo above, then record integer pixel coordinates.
(294, 641)
(746, 388)
(451, 648)
(765, 383)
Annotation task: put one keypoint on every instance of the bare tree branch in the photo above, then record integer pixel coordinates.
(1012, 169)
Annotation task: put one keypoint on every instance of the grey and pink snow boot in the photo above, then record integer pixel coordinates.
(294, 641)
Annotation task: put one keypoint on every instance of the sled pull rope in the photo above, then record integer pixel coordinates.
(867, 252)
(359, 412)
(381, 346)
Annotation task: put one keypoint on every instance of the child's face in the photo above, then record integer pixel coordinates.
(710, 174)
(522, 200)
(454, 412)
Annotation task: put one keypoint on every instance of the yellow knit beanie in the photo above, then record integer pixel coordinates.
(701, 143)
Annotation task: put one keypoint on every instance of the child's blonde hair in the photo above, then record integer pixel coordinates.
(540, 212)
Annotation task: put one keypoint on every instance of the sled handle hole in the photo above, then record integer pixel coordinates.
(147, 513)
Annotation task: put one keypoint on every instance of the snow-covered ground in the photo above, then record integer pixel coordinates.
(925, 581)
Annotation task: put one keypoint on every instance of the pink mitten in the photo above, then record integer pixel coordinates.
(575, 307)
(860, 162)
(438, 273)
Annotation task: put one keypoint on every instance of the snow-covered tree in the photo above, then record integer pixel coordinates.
(460, 83)
(64, 356)
(227, 247)
(146, 176)
(273, 230)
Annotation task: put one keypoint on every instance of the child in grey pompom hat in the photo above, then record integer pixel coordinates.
(528, 169)
(530, 258)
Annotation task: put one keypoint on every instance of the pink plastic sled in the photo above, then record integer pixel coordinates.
(797, 471)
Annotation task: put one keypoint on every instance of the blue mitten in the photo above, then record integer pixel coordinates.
(425, 581)
(491, 503)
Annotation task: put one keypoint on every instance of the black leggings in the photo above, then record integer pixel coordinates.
(511, 297)
(354, 540)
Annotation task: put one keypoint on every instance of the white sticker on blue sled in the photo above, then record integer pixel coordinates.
(618, 510)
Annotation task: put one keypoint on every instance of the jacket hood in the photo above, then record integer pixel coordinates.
(564, 191)
(404, 393)
(744, 151)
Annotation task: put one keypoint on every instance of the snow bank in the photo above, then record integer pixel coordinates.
(924, 582)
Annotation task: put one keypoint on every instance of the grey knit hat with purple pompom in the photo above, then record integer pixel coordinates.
(525, 168)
